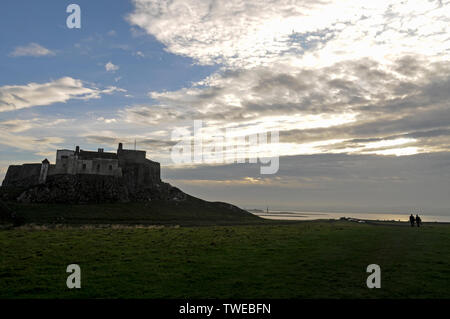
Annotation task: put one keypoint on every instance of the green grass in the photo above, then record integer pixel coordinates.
(302, 260)
(192, 212)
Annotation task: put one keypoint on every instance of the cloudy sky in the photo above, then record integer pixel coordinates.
(358, 90)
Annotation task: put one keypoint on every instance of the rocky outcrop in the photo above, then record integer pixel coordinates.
(84, 188)
(76, 189)
(5, 213)
(160, 191)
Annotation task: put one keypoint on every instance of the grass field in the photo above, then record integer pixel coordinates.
(192, 212)
(301, 260)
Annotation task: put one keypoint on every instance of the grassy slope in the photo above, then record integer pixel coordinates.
(303, 260)
(190, 212)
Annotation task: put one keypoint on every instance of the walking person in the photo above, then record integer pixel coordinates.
(411, 220)
(418, 220)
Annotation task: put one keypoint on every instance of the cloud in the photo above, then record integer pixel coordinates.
(217, 32)
(15, 97)
(150, 114)
(316, 108)
(142, 141)
(157, 148)
(329, 182)
(247, 33)
(22, 125)
(32, 49)
(30, 143)
(107, 121)
(325, 73)
(110, 67)
(16, 125)
(37, 135)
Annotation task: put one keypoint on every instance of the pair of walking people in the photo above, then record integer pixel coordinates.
(417, 220)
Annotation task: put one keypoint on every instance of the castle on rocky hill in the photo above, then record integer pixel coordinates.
(80, 176)
(132, 165)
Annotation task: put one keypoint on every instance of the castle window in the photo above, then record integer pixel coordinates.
(110, 167)
(84, 166)
(98, 167)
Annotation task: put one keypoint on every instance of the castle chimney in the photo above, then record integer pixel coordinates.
(120, 147)
(44, 171)
(77, 150)
(100, 150)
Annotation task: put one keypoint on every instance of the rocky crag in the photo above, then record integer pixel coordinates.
(88, 177)
(80, 176)
(79, 189)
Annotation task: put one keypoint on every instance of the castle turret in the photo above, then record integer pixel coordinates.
(44, 171)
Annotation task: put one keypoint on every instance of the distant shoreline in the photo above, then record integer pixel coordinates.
(381, 217)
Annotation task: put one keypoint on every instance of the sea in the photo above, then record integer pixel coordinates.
(299, 215)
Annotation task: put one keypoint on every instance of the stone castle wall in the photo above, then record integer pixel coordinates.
(22, 175)
(128, 167)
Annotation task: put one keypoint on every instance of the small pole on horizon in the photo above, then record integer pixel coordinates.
(134, 144)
